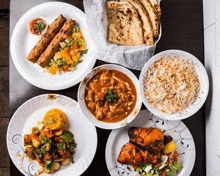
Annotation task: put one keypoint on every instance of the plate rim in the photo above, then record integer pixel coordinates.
(23, 72)
(39, 96)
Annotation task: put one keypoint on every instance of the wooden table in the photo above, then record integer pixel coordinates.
(182, 24)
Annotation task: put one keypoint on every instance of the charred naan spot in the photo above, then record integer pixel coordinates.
(130, 19)
(118, 17)
(129, 10)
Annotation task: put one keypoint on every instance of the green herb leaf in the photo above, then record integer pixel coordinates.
(111, 96)
(75, 28)
(48, 165)
(61, 62)
(71, 158)
(30, 154)
(50, 121)
(67, 135)
(83, 52)
(54, 154)
(39, 27)
(33, 149)
(72, 147)
(62, 146)
(41, 151)
(79, 42)
(44, 139)
(174, 168)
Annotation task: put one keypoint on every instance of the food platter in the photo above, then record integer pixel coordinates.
(94, 25)
(176, 129)
(21, 38)
(128, 56)
(202, 94)
(31, 113)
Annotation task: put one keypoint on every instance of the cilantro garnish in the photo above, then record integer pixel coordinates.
(111, 96)
(39, 27)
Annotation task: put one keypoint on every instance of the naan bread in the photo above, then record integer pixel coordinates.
(153, 16)
(156, 6)
(147, 25)
(125, 27)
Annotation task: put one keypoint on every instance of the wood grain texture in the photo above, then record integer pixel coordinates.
(5, 171)
(4, 92)
(4, 32)
(4, 161)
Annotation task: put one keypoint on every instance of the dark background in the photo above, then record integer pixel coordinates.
(182, 26)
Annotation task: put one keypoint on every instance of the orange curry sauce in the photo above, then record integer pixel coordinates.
(97, 89)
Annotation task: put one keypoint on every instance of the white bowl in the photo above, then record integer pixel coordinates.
(202, 95)
(90, 116)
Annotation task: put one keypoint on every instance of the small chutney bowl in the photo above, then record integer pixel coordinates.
(202, 94)
(32, 23)
(90, 116)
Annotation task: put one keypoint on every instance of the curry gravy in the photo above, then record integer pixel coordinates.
(101, 92)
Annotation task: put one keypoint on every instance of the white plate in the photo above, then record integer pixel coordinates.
(202, 95)
(90, 116)
(31, 113)
(176, 129)
(22, 42)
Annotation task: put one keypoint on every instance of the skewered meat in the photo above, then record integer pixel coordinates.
(131, 154)
(150, 139)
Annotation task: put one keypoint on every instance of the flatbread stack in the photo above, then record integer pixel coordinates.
(133, 22)
(49, 43)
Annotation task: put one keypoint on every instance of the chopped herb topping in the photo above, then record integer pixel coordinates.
(39, 27)
(62, 146)
(111, 96)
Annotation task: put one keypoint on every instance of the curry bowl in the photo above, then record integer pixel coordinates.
(109, 96)
(178, 83)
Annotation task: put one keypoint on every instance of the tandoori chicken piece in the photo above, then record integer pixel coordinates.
(150, 139)
(131, 154)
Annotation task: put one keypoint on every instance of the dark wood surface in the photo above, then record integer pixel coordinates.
(182, 24)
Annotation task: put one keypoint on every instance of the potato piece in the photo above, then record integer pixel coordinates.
(36, 143)
(66, 162)
(56, 166)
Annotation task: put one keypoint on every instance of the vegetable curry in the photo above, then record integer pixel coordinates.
(110, 96)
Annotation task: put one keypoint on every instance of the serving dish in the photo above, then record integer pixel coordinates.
(31, 113)
(90, 116)
(180, 133)
(22, 42)
(133, 57)
(202, 94)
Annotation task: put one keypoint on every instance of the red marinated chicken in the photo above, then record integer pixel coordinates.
(131, 154)
(150, 139)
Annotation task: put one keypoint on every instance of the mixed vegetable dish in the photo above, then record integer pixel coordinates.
(69, 55)
(51, 145)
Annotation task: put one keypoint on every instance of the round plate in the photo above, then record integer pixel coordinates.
(90, 116)
(31, 113)
(202, 95)
(22, 42)
(180, 133)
